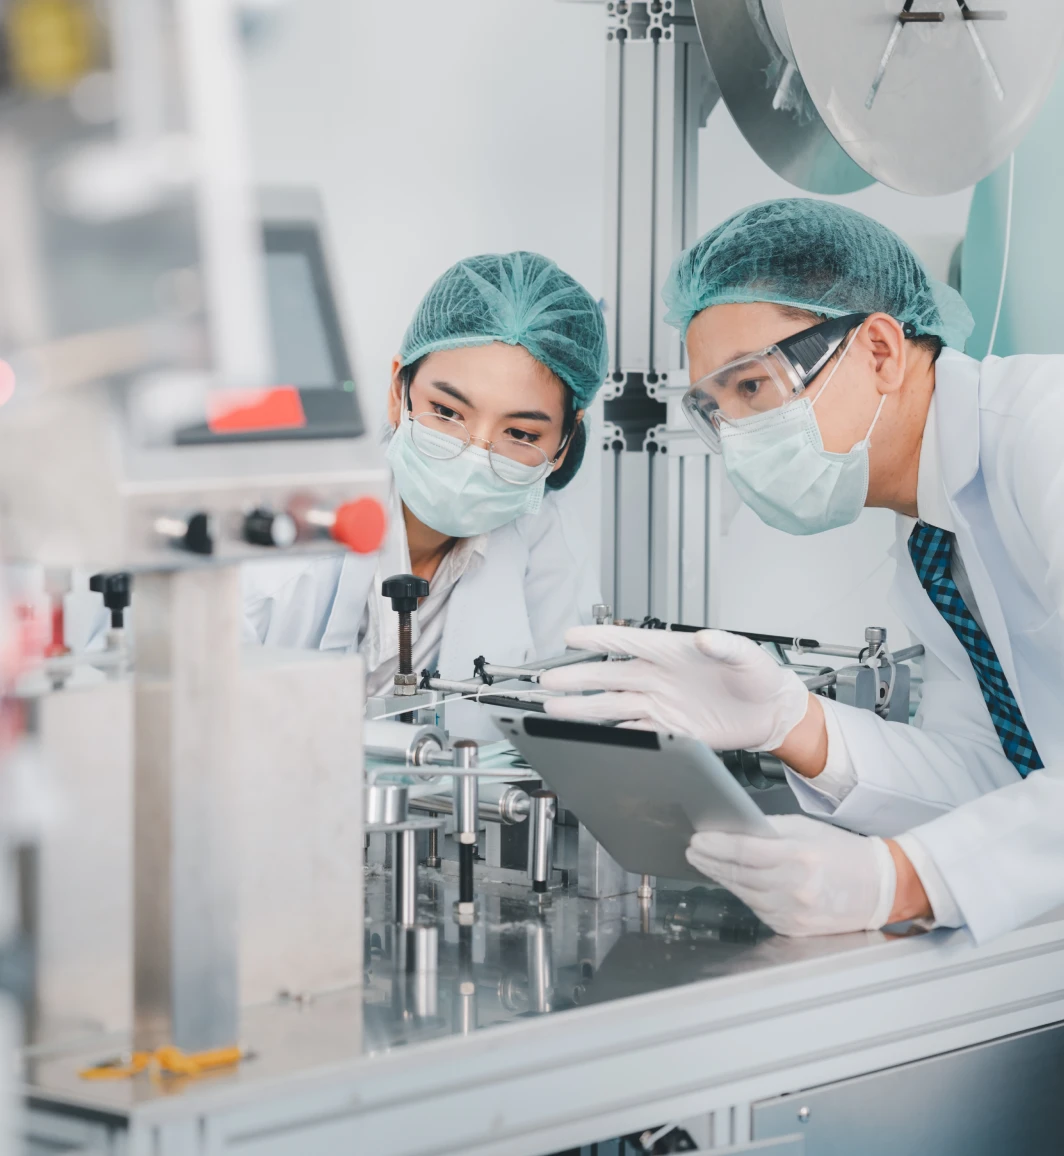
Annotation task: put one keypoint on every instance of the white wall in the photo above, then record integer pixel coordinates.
(436, 130)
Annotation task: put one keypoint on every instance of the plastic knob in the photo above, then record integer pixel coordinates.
(360, 525)
(116, 590)
(404, 590)
(265, 528)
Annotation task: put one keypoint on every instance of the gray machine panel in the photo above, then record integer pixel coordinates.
(1003, 1096)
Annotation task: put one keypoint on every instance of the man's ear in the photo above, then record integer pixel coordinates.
(885, 339)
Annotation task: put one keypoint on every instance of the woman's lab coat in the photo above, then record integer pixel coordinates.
(537, 579)
(997, 839)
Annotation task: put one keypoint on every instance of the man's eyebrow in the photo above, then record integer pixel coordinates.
(451, 391)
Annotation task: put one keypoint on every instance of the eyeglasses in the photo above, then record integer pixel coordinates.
(760, 382)
(513, 461)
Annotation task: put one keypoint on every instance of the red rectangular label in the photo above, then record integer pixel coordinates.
(252, 410)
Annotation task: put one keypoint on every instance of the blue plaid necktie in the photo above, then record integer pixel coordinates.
(931, 550)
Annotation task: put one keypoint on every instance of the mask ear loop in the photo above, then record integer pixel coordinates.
(824, 388)
(834, 368)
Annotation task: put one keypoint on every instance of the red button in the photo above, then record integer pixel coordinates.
(360, 525)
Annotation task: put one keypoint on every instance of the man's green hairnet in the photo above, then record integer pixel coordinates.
(813, 255)
(520, 299)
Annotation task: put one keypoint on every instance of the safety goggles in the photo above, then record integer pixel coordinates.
(759, 382)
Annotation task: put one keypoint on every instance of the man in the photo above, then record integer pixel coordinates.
(859, 396)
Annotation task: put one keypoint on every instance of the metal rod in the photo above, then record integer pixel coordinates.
(511, 807)
(541, 839)
(404, 878)
(432, 859)
(532, 672)
(820, 681)
(522, 700)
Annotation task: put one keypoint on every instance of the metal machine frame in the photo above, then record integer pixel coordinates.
(661, 506)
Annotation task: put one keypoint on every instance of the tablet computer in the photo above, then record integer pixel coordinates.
(642, 794)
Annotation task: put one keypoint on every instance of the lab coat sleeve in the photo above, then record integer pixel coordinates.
(1002, 856)
(561, 579)
(287, 603)
(907, 775)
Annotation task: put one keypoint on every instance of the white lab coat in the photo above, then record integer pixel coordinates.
(996, 839)
(536, 580)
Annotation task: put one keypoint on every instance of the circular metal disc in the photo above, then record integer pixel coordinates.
(949, 107)
(796, 144)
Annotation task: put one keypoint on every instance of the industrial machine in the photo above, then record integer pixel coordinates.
(259, 927)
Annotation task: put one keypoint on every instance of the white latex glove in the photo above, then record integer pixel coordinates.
(815, 879)
(718, 687)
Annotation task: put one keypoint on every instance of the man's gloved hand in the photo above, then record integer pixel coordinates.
(718, 687)
(815, 879)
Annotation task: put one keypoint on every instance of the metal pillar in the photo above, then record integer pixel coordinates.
(185, 933)
(659, 93)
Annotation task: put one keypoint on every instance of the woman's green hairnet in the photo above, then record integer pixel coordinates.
(521, 299)
(813, 255)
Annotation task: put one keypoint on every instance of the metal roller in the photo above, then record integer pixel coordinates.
(399, 742)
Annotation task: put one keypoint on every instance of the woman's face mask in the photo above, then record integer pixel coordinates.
(465, 468)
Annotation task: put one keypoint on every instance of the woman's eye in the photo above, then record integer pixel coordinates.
(445, 411)
(522, 435)
(748, 386)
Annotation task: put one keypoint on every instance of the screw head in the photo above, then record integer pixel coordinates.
(804, 1114)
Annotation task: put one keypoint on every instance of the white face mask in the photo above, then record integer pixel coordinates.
(777, 462)
(460, 496)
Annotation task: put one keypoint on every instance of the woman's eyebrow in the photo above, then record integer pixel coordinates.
(531, 415)
(447, 388)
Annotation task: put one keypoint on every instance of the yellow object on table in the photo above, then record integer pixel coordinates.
(167, 1060)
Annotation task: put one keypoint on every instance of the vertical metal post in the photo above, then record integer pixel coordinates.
(466, 817)
(185, 931)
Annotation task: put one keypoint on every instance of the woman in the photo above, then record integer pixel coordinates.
(486, 408)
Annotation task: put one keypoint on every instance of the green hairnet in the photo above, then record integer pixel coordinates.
(520, 299)
(814, 255)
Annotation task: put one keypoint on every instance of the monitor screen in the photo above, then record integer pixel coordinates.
(308, 344)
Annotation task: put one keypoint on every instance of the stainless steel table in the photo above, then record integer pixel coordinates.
(545, 1029)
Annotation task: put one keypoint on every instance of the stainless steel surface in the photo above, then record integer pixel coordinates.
(298, 839)
(768, 100)
(599, 875)
(949, 108)
(185, 864)
(979, 1101)
(701, 1014)
(541, 839)
(386, 804)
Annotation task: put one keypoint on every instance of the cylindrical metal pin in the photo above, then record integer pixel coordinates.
(404, 878)
(541, 839)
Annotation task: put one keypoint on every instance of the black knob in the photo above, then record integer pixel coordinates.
(116, 589)
(198, 539)
(265, 528)
(404, 590)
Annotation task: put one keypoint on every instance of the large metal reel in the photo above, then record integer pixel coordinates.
(928, 106)
(750, 68)
(956, 96)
